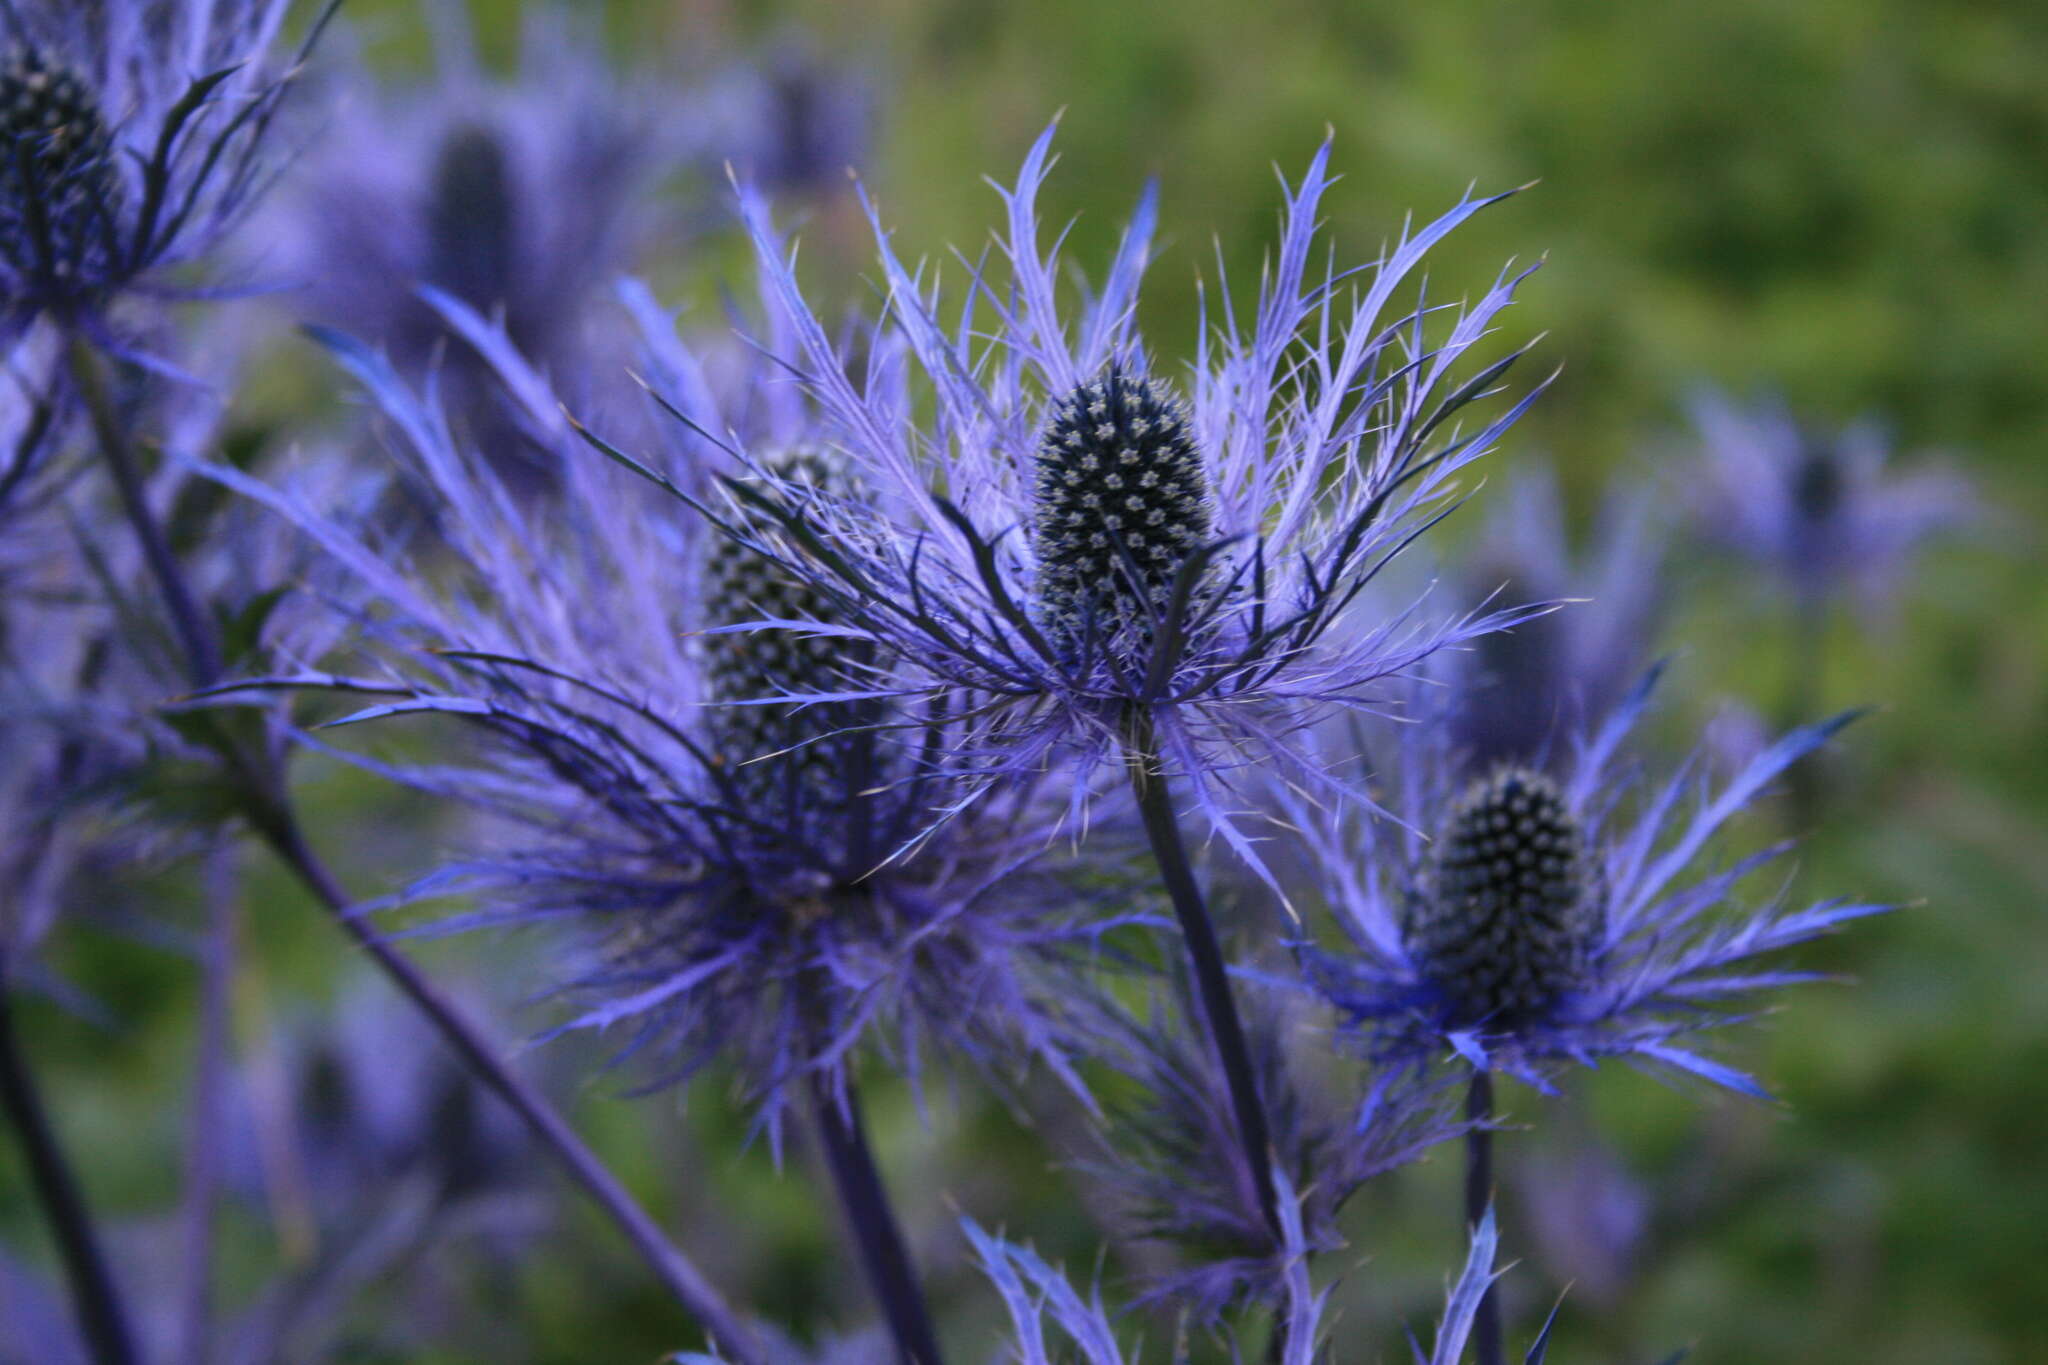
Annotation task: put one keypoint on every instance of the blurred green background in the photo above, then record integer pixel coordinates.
(1844, 201)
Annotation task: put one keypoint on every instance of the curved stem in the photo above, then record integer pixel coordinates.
(872, 1222)
(1205, 956)
(93, 1295)
(675, 1270)
(271, 813)
(1486, 1331)
(200, 644)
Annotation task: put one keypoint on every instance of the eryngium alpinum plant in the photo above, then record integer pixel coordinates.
(654, 780)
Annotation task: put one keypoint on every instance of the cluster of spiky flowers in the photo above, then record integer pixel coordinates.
(672, 779)
(133, 137)
(791, 750)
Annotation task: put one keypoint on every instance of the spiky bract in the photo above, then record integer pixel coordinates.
(1507, 919)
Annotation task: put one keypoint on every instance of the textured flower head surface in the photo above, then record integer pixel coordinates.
(521, 195)
(1523, 692)
(1076, 536)
(1174, 1172)
(1818, 509)
(1523, 921)
(132, 135)
(738, 903)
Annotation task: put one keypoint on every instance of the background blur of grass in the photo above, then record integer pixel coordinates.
(1848, 201)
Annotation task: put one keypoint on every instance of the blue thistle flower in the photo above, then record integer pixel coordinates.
(1217, 608)
(131, 139)
(789, 121)
(1530, 921)
(654, 773)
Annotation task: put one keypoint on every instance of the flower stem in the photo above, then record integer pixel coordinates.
(670, 1266)
(209, 1104)
(200, 644)
(1486, 1331)
(1205, 956)
(1804, 684)
(93, 1295)
(886, 1259)
(270, 812)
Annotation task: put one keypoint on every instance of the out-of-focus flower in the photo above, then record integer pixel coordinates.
(1099, 563)
(133, 137)
(1522, 922)
(1817, 510)
(1589, 1216)
(744, 903)
(521, 196)
(788, 121)
(1522, 691)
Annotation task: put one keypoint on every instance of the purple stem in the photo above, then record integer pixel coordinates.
(209, 1104)
(670, 1266)
(93, 1295)
(1205, 956)
(271, 813)
(869, 1218)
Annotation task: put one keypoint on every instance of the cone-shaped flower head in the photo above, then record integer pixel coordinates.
(1508, 920)
(1056, 542)
(58, 188)
(792, 758)
(1122, 502)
